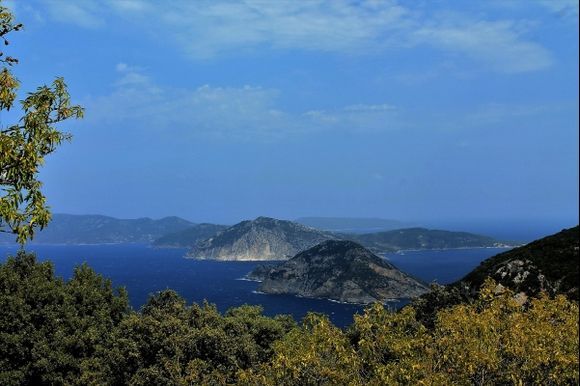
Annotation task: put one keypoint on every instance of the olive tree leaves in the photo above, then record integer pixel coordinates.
(24, 145)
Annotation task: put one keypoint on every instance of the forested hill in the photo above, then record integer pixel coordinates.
(97, 229)
(550, 264)
(421, 238)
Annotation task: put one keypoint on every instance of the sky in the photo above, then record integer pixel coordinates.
(219, 111)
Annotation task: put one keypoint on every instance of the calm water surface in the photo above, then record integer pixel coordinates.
(144, 270)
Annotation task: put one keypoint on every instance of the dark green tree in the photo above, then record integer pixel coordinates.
(169, 343)
(51, 330)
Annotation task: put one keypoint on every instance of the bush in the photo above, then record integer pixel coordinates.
(83, 332)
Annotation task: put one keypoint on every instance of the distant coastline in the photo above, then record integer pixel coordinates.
(400, 251)
(149, 245)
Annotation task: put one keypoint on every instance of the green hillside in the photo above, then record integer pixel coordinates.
(550, 264)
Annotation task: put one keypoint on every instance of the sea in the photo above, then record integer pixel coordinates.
(144, 270)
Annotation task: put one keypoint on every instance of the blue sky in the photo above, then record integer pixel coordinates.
(226, 110)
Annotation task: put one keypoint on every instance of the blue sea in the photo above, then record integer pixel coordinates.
(143, 270)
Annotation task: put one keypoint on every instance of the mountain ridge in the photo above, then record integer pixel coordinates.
(418, 238)
(263, 238)
(286, 238)
(100, 229)
(266, 238)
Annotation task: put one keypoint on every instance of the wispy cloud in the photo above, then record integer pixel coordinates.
(563, 8)
(206, 29)
(357, 118)
(234, 113)
(253, 113)
(85, 13)
(499, 44)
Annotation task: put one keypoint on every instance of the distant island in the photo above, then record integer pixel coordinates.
(339, 270)
(422, 238)
(345, 271)
(97, 229)
(189, 237)
(353, 224)
(271, 239)
(264, 238)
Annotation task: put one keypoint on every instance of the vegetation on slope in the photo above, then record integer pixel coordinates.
(551, 265)
(83, 332)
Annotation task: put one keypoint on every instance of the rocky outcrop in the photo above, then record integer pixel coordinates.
(339, 270)
(550, 264)
(261, 239)
(261, 272)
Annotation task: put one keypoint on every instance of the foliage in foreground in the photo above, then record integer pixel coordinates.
(83, 332)
(25, 144)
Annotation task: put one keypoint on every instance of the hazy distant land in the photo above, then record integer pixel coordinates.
(98, 229)
(263, 238)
